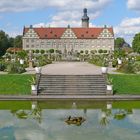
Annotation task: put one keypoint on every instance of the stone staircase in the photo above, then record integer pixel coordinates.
(72, 85)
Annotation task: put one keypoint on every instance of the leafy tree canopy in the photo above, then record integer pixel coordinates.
(136, 43)
(8, 42)
(4, 42)
(119, 42)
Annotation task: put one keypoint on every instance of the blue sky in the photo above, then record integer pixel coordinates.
(123, 15)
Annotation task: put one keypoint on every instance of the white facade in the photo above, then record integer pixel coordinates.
(68, 41)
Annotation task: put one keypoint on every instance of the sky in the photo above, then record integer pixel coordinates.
(122, 15)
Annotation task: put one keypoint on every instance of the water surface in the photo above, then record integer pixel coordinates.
(46, 120)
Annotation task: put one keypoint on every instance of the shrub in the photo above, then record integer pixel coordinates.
(2, 66)
(97, 60)
(127, 67)
(95, 51)
(81, 51)
(86, 51)
(42, 61)
(48, 61)
(51, 50)
(37, 51)
(100, 51)
(22, 54)
(114, 63)
(137, 58)
(92, 51)
(15, 68)
(27, 51)
(42, 51)
(136, 67)
(104, 51)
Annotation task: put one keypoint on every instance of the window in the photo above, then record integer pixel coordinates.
(27, 40)
(32, 40)
(42, 43)
(48, 43)
(27, 46)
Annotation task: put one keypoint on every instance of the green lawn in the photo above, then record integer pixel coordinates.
(20, 85)
(15, 84)
(126, 84)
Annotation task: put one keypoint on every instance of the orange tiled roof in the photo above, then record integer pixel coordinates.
(56, 33)
(14, 49)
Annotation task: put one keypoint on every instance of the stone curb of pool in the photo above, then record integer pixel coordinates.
(114, 97)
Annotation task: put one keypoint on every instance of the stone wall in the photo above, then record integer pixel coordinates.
(68, 44)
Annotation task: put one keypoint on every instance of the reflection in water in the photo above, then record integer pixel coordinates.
(74, 118)
(104, 119)
(106, 115)
(41, 122)
(34, 113)
(122, 113)
(74, 106)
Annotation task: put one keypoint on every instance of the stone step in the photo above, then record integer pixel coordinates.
(76, 81)
(73, 91)
(86, 94)
(72, 78)
(98, 75)
(94, 80)
(72, 85)
(72, 82)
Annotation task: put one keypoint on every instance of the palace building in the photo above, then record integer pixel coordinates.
(69, 39)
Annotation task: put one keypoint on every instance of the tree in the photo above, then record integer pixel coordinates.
(22, 54)
(100, 51)
(119, 42)
(11, 42)
(18, 41)
(51, 50)
(4, 42)
(136, 43)
(86, 51)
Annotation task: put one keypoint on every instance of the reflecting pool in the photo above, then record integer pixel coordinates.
(69, 120)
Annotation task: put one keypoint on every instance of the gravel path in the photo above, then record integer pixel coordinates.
(71, 68)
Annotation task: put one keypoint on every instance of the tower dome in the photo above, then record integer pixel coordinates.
(85, 19)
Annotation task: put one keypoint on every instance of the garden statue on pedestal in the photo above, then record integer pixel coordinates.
(30, 59)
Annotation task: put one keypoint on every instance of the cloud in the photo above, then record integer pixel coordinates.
(127, 22)
(70, 12)
(128, 28)
(27, 5)
(133, 4)
(67, 12)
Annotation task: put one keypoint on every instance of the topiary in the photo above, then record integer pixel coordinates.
(100, 51)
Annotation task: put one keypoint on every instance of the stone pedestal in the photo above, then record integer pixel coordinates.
(110, 64)
(34, 105)
(30, 64)
(109, 92)
(119, 65)
(34, 92)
